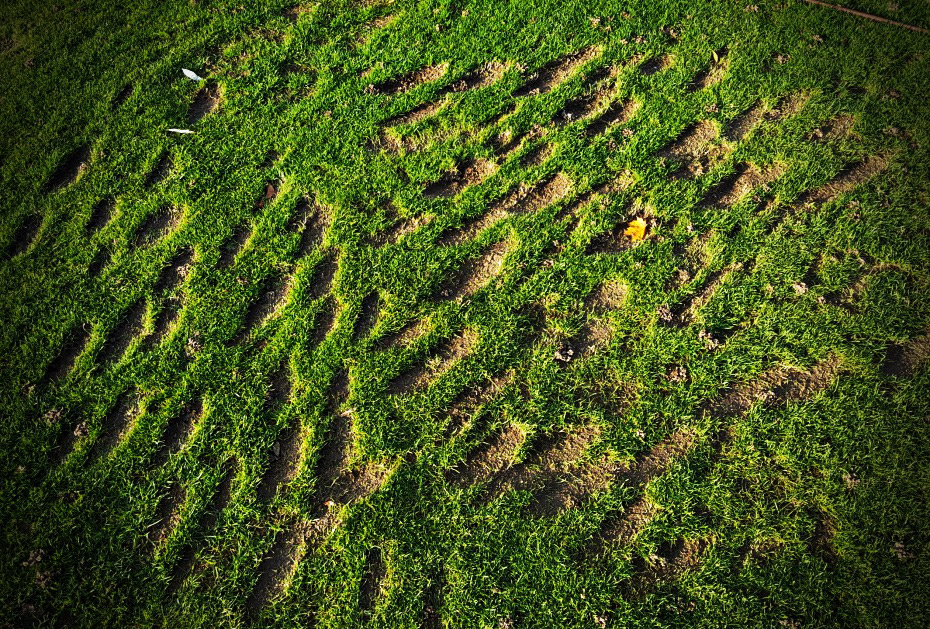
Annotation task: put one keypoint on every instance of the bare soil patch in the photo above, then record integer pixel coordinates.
(122, 335)
(25, 234)
(617, 113)
(323, 275)
(116, 423)
(167, 515)
(271, 295)
(655, 65)
(178, 430)
(846, 181)
(476, 273)
(446, 354)
(696, 149)
(234, 244)
(670, 563)
(71, 348)
(68, 169)
(469, 401)
(485, 461)
(162, 168)
(906, 359)
(368, 315)
(175, 272)
(741, 125)
(372, 582)
(100, 215)
(550, 75)
(275, 569)
(736, 186)
(284, 459)
(205, 101)
(323, 321)
(409, 81)
(157, 226)
(713, 74)
(467, 174)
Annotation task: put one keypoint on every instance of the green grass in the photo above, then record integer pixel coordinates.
(804, 508)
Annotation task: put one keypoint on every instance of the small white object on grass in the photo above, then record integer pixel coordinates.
(191, 75)
(180, 130)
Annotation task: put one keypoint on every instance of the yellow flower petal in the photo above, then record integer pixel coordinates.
(636, 229)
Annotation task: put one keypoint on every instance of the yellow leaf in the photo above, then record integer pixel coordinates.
(636, 229)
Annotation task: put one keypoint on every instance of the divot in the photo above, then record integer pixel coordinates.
(372, 585)
(167, 515)
(904, 360)
(536, 155)
(123, 334)
(157, 226)
(323, 275)
(25, 234)
(275, 569)
(100, 261)
(617, 113)
(272, 294)
(671, 562)
(440, 360)
(409, 81)
(71, 348)
(284, 459)
(696, 148)
(233, 245)
(323, 321)
(162, 167)
(470, 173)
(476, 273)
(846, 181)
(554, 73)
(655, 65)
(488, 459)
(205, 101)
(68, 169)
(713, 74)
(368, 315)
(177, 431)
(746, 179)
(175, 272)
(115, 425)
(467, 403)
(100, 215)
(741, 125)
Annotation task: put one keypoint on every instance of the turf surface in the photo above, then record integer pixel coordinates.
(464, 313)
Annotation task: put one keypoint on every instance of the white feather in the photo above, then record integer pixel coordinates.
(180, 130)
(191, 75)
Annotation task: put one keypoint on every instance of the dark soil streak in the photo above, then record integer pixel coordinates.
(161, 170)
(156, 226)
(71, 348)
(68, 169)
(115, 425)
(167, 515)
(25, 234)
(905, 360)
(284, 458)
(368, 315)
(372, 582)
(177, 431)
(323, 275)
(122, 335)
(272, 293)
(550, 75)
(233, 245)
(205, 101)
(275, 568)
(100, 215)
(175, 272)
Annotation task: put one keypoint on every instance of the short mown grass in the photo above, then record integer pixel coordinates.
(373, 345)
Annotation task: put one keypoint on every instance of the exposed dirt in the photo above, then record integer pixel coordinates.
(617, 113)
(25, 234)
(368, 315)
(234, 244)
(205, 101)
(583, 106)
(399, 228)
(275, 569)
(371, 588)
(740, 126)
(279, 388)
(696, 149)
(537, 155)
(469, 401)
(68, 169)
(116, 423)
(608, 296)
(713, 74)
(545, 194)
(122, 335)
(323, 276)
(656, 65)
(100, 215)
(123, 96)
(905, 360)
(178, 430)
(736, 186)
(284, 459)
(418, 113)
(476, 273)
(467, 174)
(777, 386)
(272, 294)
(670, 563)
(324, 320)
(485, 461)
(175, 272)
(269, 194)
(167, 515)
(409, 81)
(845, 181)
(162, 168)
(157, 225)
(837, 128)
(685, 312)
(446, 354)
(405, 335)
(550, 75)
(100, 261)
(71, 348)
(472, 227)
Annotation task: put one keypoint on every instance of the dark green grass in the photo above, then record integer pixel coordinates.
(815, 512)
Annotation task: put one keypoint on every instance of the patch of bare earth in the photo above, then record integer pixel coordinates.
(234, 244)
(25, 234)
(488, 459)
(608, 296)
(584, 106)
(128, 328)
(398, 228)
(470, 401)
(537, 155)
(68, 169)
(685, 312)
(652, 464)
(467, 174)
(272, 293)
(177, 431)
(746, 179)
(175, 272)
(550, 75)
(276, 568)
(409, 81)
(904, 360)
(100, 215)
(713, 74)
(157, 226)
(476, 273)
(617, 113)
(739, 127)
(283, 461)
(847, 180)
(161, 170)
(167, 515)
(311, 221)
(671, 562)
(656, 65)
(373, 581)
(367, 316)
(440, 360)
(115, 425)
(323, 275)
(71, 348)
(837, 128)
(205, 101)
(324, 320)
(405, 335)
(780, 385)
(696, 149)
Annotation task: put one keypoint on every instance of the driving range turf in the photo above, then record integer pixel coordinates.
(464, 313)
